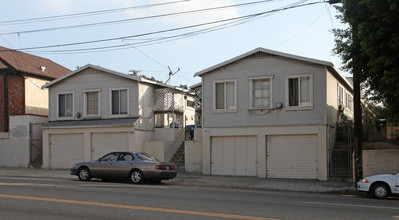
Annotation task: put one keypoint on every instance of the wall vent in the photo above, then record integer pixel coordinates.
(258, 55)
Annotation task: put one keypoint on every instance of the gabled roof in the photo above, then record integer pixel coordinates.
(131, 77)
(267, 51)
(254, 52)
(31, 64)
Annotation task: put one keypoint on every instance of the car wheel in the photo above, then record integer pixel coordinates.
(136, 176)
(380, 191)
(84, 174)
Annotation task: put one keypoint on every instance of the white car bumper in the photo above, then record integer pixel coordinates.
(364, 187)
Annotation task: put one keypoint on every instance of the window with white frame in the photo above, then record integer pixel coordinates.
(65, 105)
(340, 95)
(92, 101)
(225, 95)
(261, 92)
(349, 102)
(300, 91)
(119, 101)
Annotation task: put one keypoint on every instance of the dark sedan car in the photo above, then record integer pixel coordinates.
(134, 166)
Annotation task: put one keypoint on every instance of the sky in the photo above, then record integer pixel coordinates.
(152, 36)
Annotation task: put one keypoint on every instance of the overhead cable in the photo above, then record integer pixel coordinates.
(132, 19)
(167, 30)
(83, 14)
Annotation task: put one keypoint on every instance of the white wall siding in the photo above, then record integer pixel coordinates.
(91, 79)
(278, 68)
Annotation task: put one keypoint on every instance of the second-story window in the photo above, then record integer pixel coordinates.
(92, 102)
(65, 105)
(300, 91)
(340, 95)
(119, 102)
(349, 102)
(225, 95)
(261, 90)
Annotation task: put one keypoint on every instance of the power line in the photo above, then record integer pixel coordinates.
(145, 54)
(76, 15)
(133, 19)
(168, 30)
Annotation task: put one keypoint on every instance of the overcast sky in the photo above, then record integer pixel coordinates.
(144, 36)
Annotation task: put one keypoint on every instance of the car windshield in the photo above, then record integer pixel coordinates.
(145, 156)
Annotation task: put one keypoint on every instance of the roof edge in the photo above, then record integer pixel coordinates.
(93, 67)
(260, 49)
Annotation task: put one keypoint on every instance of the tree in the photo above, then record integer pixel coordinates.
(369, 48)
(371, 45)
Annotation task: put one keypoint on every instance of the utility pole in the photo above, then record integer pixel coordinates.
(357, 107)
(357, 126)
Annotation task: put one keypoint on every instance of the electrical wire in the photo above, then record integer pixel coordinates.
(167, 30)
(145, 54)
(133, 19)
(77, 15)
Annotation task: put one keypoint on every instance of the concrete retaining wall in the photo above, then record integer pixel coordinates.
(14, 153)
(380, 162)
(193, 156)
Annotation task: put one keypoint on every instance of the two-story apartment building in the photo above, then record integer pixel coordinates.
(23, 105)
(271, 115)
(93, 111)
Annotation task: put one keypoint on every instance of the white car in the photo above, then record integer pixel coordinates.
(380, 186)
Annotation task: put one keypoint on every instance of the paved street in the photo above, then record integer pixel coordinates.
(52, 198)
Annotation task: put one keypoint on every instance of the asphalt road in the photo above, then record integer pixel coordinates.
(33, 198)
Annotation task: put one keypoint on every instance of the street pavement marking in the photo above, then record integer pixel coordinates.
(143, 208)
(359, 206)
(28, 184)
(84, 185)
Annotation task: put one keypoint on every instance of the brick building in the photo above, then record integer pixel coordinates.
(18, 69)
(23, 105)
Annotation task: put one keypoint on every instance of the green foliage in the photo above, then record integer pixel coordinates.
(370, 47)
(183, 86)
(344, 128)
(152, 78)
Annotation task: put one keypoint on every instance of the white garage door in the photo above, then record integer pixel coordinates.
(234, 156)
(292, 156)
(103, 143)
(65, 150)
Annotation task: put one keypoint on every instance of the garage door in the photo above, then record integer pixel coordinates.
(103, 143)
(292, 156)
(65, 150)
(234, 156)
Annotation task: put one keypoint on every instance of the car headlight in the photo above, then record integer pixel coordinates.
(365, 180)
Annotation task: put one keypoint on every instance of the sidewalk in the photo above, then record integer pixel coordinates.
(188, 179)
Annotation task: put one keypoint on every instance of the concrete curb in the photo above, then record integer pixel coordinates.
(190, 179)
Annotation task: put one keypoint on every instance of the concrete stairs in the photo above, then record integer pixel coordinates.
(179, 158)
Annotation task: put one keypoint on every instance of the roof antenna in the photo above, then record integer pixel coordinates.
(171, 73)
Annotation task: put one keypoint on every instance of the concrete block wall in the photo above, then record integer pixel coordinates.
(20, 125)
(380, 162)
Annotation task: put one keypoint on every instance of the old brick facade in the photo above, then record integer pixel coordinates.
(2, 102)
(16, 95)
(12, 98)
(15, 66)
